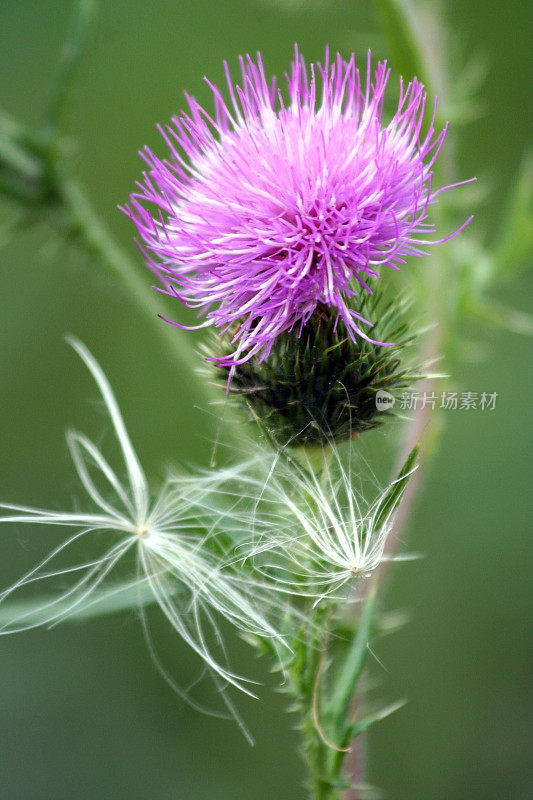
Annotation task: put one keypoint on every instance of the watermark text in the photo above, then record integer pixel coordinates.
(449, 401)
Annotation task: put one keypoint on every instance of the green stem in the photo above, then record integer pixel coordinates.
(321, 787)
(310, 646)
(71, 54)
(328, 727)
(98, 241)
(37, 173)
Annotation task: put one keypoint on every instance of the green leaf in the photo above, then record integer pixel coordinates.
(344, 683)
(363, 724)
(35, 611)
(397, 21)
(71, 54)
(495, 313)
(515, 244)
(392, 497)
(359, 727)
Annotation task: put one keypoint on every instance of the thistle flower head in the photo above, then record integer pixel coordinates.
(317, 387)
(159, 543)
(272, 206)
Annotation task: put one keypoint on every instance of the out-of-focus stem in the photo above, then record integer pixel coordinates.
(71, 54)
(37, 174)
(423, 425)
(98, 241)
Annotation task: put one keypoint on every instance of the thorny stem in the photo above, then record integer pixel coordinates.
(310, 649)
(324, 704)
(317, 751)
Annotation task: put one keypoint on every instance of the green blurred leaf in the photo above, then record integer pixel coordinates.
(515, 244)
(71, 54)
(508, 318)
(35, 611)
(397, 21)
(15, 157)
(360, 726)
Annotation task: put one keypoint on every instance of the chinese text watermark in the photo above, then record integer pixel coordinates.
(450, 401)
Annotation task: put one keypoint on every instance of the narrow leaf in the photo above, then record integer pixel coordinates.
(339, 703)
(71, 54)
(500, 315)
(397, 21)
(363, 724)
(123, 597)
(515, 243)
(392, 497)
(359, 727)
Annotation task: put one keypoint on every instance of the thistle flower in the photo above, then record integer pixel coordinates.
(269, 208)
(159, 543)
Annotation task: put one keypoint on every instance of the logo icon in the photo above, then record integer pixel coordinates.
(384, 400)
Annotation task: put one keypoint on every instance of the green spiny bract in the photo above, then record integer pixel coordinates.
(317, 384)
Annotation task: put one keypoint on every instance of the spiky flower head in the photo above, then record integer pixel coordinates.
(317, 387)
(156, 547)
(271, 206)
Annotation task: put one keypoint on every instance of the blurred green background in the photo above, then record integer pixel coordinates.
(83, 712)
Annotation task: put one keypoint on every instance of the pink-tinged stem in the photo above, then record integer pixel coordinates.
(414, 433)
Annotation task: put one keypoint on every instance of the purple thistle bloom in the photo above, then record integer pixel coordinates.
(268, 208)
